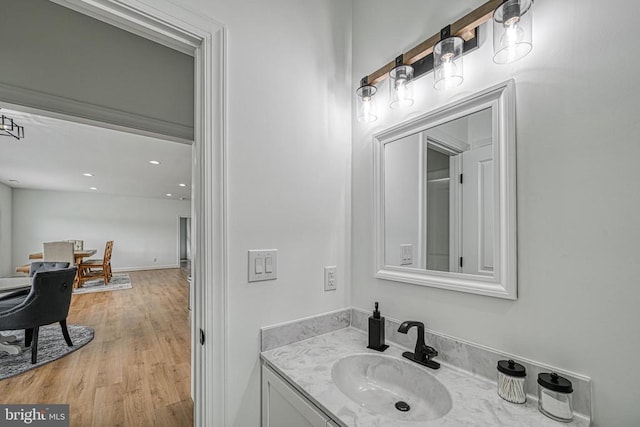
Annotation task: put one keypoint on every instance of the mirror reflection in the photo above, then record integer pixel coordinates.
(439, 197)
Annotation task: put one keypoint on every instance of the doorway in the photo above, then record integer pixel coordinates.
(173, 26)
(184, 241)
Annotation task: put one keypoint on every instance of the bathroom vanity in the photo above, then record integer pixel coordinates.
(334, 380)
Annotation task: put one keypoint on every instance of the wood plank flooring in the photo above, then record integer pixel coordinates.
(135, 372)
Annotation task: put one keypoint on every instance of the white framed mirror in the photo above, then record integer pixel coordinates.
(445, 197)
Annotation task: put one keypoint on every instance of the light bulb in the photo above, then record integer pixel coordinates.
(448, 71)
(448, 63)
(366, 103)
(512, 31)
(512, 36)
(400, 86)
(403, 95)
(366, 108)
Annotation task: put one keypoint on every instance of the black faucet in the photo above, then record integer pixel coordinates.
(423, 353)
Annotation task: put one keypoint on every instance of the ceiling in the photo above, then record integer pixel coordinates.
(54, 155)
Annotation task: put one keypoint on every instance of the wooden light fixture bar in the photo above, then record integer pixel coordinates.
(464, 27)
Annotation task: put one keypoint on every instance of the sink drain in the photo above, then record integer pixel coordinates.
(402, 406)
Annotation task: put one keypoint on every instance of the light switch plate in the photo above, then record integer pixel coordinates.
(263, 264)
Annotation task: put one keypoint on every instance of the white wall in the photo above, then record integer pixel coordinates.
(289, 158)
(142, 229)
(402, 175)
(6, 234)
(96, 64)
(578, 198)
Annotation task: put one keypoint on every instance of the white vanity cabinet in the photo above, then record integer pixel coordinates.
(282, 406)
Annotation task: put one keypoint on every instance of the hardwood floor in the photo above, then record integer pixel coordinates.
(135, 372)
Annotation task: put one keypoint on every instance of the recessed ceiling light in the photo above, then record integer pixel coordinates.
(93, 188)
(182, 185)
(169, 194)
(154, 162)
(87, 174)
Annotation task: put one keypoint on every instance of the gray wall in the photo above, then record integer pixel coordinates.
(578, 199)
(56, 58)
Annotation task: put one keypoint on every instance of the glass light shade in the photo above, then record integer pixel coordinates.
(367, 111)
(401, 87)
(512, 31)
(447, 63)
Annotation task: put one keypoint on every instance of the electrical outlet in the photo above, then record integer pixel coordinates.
(330, 278)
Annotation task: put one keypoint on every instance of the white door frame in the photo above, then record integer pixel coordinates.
(205, 39)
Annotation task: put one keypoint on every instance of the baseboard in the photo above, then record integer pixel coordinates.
(154, 267)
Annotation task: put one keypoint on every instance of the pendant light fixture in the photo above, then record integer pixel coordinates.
(447, 60)
(9, 128)
(400, 84)
(367, 111)
(512, 31)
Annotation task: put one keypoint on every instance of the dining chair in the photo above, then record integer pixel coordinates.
(97, 268)
(78, 245)
(58, 252)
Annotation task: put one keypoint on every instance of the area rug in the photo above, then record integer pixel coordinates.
(51, 346)
(118, 281)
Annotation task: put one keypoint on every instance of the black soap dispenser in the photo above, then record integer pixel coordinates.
(376, 331)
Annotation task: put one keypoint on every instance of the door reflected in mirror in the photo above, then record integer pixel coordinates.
(439, 196)
(445, 197)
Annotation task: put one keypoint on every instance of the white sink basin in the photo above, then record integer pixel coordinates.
(378, 383)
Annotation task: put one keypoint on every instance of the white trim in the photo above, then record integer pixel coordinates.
(172, 25)
(438, 135)
(504, 282)
(59, 107)
(125, 15)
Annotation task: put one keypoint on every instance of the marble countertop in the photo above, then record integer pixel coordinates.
(307, 365)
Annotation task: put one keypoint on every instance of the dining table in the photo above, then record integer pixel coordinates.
(79, 255)
(9, 284)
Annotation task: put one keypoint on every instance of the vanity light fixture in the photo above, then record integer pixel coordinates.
(400, 84)
(366, 102)
(9, 128)
(447, 60)
(442, 52)
(512, 31)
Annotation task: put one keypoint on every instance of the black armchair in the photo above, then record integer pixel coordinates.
(16, 297)
(47, 302)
